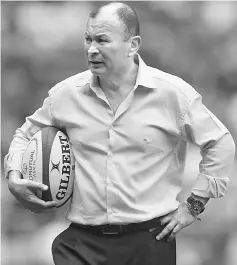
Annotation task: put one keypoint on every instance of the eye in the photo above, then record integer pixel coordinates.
(88, 40)
(103, 41)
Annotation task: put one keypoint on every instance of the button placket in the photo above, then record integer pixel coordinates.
(124, 105)
(109, 182)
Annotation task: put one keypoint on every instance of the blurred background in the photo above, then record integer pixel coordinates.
(42, 44)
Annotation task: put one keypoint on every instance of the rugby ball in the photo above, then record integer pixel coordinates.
(48, 159)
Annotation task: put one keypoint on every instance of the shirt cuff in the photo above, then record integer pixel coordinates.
(210, 187)
(12, 161)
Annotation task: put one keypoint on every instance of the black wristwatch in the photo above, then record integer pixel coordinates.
(195, 206)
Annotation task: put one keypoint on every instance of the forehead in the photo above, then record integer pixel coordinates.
(107, 24)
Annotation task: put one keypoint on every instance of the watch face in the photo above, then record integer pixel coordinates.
(197, 206)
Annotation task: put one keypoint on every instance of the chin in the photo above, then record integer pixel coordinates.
(98, 72)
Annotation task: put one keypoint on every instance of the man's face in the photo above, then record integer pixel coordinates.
(106, 50)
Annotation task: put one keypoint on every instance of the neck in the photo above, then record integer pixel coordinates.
(126, 79)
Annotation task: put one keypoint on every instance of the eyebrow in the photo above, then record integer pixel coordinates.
(98, 35)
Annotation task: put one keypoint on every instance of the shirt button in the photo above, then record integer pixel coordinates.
(109, 182)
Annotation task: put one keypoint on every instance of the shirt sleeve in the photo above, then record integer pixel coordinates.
(41, 118)
(217, 148)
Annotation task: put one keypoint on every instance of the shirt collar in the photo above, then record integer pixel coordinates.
(94, 82)
(144, 76)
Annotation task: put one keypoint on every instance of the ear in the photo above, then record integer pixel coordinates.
(134, 45)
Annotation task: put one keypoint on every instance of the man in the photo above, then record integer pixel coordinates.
(129, 125)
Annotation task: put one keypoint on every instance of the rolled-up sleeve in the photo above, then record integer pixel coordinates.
(41, 118)
(202, 128)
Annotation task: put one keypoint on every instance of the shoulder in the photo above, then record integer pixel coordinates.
(173, 85)
(78, 80)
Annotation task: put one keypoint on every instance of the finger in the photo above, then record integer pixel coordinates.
(49, 204)
(166, 230)
(152, 229)
(166, 219)
(174, 233)
(34, 185)
(157, 229)
(42, 210)
(36, 208)
(31, 202)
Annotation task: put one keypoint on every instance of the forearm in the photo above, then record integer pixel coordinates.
(205, 130)
(215, 168)
(41, 118)
(13, 177)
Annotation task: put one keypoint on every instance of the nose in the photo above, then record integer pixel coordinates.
(93, 49)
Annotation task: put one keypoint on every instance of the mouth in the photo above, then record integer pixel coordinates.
(95, 62)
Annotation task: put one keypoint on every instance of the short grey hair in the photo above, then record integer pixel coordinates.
(127, 15)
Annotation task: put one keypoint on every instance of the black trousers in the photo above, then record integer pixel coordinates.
(77, 246)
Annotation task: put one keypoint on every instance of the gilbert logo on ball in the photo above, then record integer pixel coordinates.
(48, 159)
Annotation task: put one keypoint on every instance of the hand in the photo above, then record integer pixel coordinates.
(175, 221)
(24, 190)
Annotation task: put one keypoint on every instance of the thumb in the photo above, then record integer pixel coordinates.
(36, 185)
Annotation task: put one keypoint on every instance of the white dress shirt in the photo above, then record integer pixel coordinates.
(129, 165)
